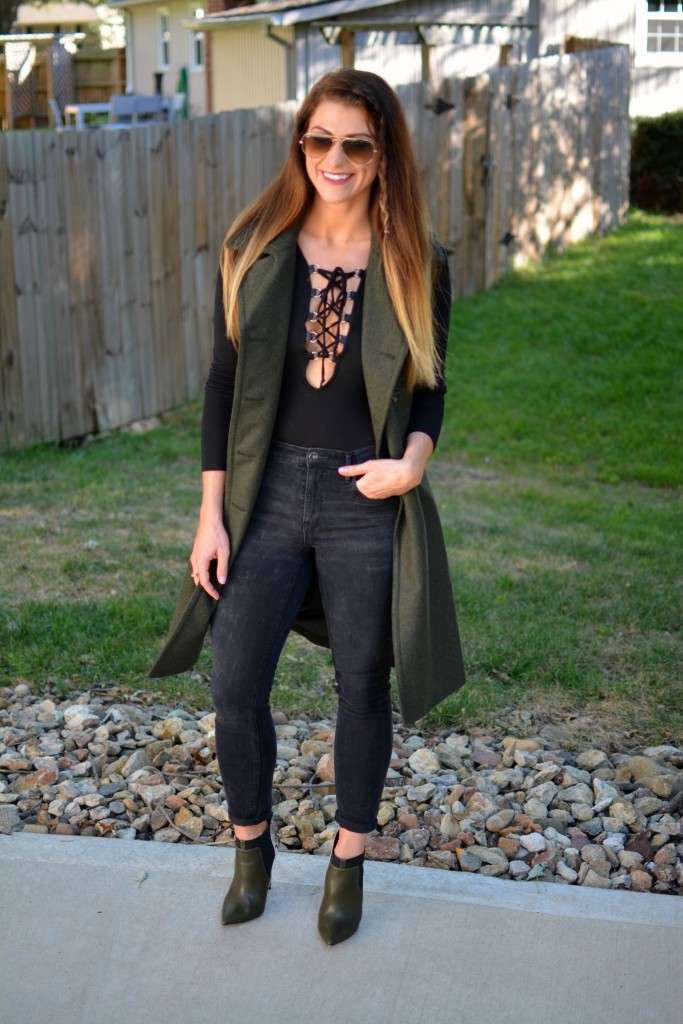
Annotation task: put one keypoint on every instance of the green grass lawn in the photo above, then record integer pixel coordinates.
(559, 480)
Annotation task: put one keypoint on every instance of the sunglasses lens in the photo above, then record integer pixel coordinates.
(317, 145)
(359, 151)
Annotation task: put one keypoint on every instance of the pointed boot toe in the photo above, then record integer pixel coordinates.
(342, 905)
(246, 897)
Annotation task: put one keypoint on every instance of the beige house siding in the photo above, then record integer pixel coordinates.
(250, 69)
(144, 54)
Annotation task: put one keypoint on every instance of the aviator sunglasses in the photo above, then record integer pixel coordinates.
(358, 151)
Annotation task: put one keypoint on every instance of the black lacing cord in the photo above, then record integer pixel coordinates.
(329, 342)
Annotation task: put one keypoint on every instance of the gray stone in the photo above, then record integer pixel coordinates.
(518, 869)
(665, 750)
(582, 812)
(440, 859)
(545, 793)
(596, 858)
(534, 842)
(647, 805)
(605, 794)
(80, 717)
(448, 756)
(566, 873)
(134, 762)
(421, 794)
(500, 820)
(467, 861)
(450, 826)
(328, 805)
(594, 880)
(535, 809)
(424, 761)
(591, 759)
(286, 753)
(579, 793)
(482, 805)
(153, 794)
(557, 839)
(571, 775)
(167, 835)
(10, 819)
(593, 827)
(489, 854)
(415, 838)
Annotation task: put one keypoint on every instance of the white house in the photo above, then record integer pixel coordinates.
(158, 41)
(273, 50)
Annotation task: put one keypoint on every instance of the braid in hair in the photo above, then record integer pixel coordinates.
(382, 175)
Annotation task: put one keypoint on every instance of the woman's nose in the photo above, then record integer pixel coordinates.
(337, 154)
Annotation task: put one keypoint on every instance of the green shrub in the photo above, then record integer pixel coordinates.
(657, 163)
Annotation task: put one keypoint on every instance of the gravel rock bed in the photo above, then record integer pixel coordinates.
(518, 807)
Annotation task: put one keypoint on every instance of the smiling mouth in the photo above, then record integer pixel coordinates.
(336, 177)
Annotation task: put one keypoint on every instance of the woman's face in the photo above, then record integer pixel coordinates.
(335, 178)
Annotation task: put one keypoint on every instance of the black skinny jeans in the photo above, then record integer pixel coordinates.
(307, 516)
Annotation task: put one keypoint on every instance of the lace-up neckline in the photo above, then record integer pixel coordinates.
(327, 322)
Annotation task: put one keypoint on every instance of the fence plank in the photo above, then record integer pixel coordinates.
(73, 420)
(191, 340)
(475, 182)
(22, 221)
(12, 428)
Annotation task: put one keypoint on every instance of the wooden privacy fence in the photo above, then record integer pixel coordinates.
(109, 241)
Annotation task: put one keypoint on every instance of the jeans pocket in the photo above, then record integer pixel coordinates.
(362, 499)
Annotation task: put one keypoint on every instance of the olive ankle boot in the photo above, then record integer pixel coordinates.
(342, 904)
(246, 897)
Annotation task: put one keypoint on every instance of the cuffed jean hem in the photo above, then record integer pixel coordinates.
(245, 822)
(354, 826)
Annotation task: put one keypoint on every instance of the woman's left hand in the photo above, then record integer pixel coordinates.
(385, 478)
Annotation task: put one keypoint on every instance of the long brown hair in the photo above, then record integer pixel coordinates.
(398, 214)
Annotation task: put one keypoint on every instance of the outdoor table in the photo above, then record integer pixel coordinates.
(79, 110)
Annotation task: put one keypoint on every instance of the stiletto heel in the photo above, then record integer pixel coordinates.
(246, 897)
(342, 904)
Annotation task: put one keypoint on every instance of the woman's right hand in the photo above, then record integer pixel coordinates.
(211, 544)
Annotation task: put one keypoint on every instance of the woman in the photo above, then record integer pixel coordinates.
(328, 399)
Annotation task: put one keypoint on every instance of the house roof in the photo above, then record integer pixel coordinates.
(344, 12)
(291, 12)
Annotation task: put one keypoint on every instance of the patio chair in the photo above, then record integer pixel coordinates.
(177, 106)
(57, 119)
(148, 108)
(122, 111)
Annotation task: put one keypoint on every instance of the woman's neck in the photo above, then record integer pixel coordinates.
(340, 226)
(336, 236)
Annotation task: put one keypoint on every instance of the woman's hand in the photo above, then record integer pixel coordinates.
(211, 543)
(385, 478)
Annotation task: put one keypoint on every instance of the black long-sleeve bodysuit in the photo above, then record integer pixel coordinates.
(335, 416)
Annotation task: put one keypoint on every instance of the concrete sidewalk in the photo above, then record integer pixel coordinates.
(84, 941)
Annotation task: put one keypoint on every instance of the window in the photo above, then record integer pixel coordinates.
(164, 37)
(659, 33)
(197, 42)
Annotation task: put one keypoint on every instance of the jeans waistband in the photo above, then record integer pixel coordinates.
(331, 457)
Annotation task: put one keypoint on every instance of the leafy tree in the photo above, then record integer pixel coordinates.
(8, 13)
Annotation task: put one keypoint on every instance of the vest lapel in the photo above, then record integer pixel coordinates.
(384, 347)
